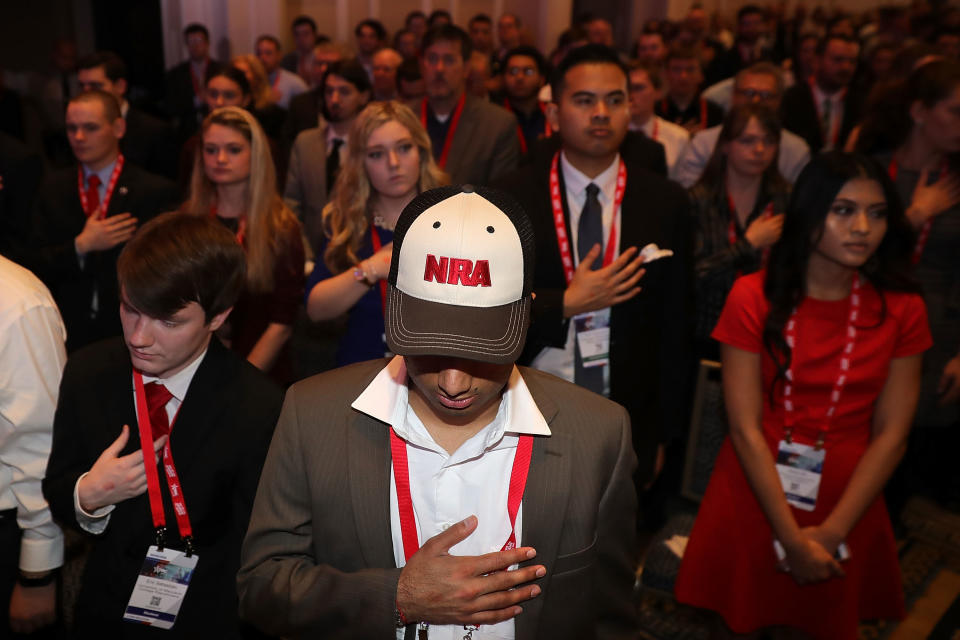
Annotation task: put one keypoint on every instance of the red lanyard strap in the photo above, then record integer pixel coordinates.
(241, 234)
(455, 120)
(732, 226)
(153, 480)
(198, 82)
(377, 245)
(547, 130)
(846, 356)
(563, 242)
(924, 234)
(111, 185)
(401, 475)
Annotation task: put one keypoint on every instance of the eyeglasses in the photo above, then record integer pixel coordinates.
(753, 94)
(522, 71)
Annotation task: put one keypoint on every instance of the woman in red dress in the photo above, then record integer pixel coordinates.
(821, 370)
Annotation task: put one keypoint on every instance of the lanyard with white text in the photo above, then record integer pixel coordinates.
(562, 241)
(111, 184)
(924, 234)
(377, 245)
(850, 335)
(732, 226)
(455, 120)
(153, 480)
(401, 476)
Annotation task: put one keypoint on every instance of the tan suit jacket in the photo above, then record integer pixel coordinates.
(486, 147)
(318, 558)
(306, 188)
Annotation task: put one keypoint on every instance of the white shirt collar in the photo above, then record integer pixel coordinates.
(178, 383)
(386, 399)
(331, 136)
(576, 182)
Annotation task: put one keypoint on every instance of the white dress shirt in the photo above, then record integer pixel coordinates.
(672, 136)
(447, 488)
(177, 385)
(559, 362)
(32, 356)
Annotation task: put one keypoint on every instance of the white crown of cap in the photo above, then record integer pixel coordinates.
(470, 228)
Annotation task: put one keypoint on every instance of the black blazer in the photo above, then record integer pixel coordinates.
(179, 97)
(149, 143)
(800, 115)
(639, 151)
(219, 442)
(302, 114)
(59, 218)
(650, 334)
(21, 169)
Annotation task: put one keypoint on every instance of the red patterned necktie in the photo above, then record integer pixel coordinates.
(157, 398)
(93, 193)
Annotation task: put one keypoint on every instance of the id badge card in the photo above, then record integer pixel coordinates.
(800, 467)
(161, 587)
(593, 337)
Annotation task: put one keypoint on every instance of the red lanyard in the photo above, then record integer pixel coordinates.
(732, 226)
(665, 107)
(656, 128)
(834, 131)
(850, 335)
(241, 225)
(197, 82)
(442, 163)
(377, 245)
(547, 130)
(562, 241)
(924, 233)
(408, 522)
(111, 184)
(153, 480)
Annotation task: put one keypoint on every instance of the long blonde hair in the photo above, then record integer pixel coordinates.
(346, 217)
(259, 85)
(267, 216)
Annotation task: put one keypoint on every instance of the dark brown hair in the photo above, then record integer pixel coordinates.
(111, 107)
(733, 126)
(176, 259)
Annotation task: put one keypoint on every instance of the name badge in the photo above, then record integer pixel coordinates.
(593, 337)
(800, 467)
(161, 587)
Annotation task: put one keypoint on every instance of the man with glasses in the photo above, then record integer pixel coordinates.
(760, 83)
(525, 72)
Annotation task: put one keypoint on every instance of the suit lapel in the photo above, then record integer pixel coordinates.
(118, 200)
(368, 461)
(544, 502)
(459, 147)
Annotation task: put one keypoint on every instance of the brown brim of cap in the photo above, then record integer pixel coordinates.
(418, 327)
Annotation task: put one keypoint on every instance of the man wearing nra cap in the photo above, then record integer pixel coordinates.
(446, 492)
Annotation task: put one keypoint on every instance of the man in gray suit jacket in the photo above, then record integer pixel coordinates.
(458, 493)
(474, 141)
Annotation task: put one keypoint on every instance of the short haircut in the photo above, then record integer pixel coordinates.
(762, 68)
(178, 258)
(111, 106)
(231, 73)
(438, 14)
(747, 10)
(299, 21)
(448, 33)
(587, 54)
(653, 72)
(680, 52)
(113, 66)
(350, 70)
(825, 42)
(409, 71)
(530, 52)
(268, 38)
(480, 17)
(196, 27)
(376, 25)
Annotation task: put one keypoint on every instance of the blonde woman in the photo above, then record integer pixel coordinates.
(389, 161)
(263, 106)
(234, 181)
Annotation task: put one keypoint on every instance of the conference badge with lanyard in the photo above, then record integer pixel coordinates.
(166, 573)
(593, 327)
(800, 466)
(408, 521)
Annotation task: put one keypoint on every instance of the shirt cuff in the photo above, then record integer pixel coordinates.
(95, 522)
(39, 552)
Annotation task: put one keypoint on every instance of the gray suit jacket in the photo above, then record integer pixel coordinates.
(306, 189)
(485, 147)
(318, 558)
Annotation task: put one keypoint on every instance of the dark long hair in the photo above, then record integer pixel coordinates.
(815, 190)
(734, 124)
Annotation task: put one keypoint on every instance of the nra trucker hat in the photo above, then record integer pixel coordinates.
(460, 276)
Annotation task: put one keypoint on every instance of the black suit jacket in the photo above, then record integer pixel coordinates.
(638, 150)
(59, 219)
(800, 115)
(649, 334)
(218, 443)
(20, 169)
(302, 114)
(149, 143)
(179, 97)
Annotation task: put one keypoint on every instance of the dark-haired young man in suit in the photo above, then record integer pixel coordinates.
(168, 389)
(184, 82)
(84, 214)
(593, 209)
